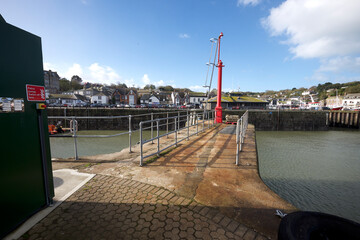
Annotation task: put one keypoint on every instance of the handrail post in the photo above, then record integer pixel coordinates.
(74, 126)
(175, 133)
(158, 138)
(179, 120)
(212, 118)
(188, 124)
(152, 125)
(167, 124)
(141, 144)
(237, 142)
(130, 134)
(242, 129)
(203, 122)
(197, 125)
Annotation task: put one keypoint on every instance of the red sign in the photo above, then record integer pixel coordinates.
(35, 93)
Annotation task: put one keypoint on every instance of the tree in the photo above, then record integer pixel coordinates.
(353, 89)
(150, 86)
(166, 88)
(64, 85)
(75, 85)
(76, 78)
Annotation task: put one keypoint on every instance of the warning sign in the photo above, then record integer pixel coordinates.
(35, 93)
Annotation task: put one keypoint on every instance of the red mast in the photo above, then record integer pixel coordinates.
(220, 65)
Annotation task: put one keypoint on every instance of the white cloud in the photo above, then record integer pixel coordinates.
(184, 35)
(145, 79)
(248, 2)
(102, 74)
(340, 64)
(48, 66)
(197, 88)
(75, 69)
(317, 29)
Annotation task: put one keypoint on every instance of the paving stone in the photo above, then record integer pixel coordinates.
(241, 230)
(114, 208)
(249, 235)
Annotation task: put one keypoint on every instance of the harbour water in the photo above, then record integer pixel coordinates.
(315, 171)
(64, 147)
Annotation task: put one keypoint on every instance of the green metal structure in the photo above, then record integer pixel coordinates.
(26, 181)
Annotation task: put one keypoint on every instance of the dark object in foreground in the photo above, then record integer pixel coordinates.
(315, 225)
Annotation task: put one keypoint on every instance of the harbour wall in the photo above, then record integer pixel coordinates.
(269, 120)
(262, 119)
(350, 119)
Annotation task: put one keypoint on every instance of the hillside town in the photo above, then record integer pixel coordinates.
(61, 92)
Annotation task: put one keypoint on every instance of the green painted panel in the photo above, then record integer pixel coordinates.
(21, 172)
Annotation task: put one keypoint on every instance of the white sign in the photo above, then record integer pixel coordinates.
(6, 107)
(18, 105)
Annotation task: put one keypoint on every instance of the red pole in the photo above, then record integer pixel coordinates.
(218, 108)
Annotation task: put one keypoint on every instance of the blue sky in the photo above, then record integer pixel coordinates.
(267, 44)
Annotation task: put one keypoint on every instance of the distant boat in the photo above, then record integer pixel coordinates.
(337, 106)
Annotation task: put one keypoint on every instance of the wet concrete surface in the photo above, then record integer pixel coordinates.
(203, 169)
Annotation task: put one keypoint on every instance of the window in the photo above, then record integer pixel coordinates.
(99, 97)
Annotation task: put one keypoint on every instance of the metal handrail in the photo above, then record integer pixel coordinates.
(210, 117)
(241, 126)
(74, 127)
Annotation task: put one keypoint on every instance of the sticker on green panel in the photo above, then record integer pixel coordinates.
(8, 105)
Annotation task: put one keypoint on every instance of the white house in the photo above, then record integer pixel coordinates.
(68, 99)
(197, 98)
(149, 99)
(100, 98)
(352, 101)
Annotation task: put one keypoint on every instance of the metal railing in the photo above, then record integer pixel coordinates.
(241, 127)
(132, 127)
(191, 120)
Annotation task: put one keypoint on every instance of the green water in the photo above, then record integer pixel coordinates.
(64, 147)
(315, 171)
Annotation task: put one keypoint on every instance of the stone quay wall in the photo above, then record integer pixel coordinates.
(111, 123)
(350, 119)
(270, 120)
(274, 120)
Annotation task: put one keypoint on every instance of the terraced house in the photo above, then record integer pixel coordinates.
(238, 102)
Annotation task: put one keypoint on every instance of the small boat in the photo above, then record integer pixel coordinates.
(336, 108)
(55, 130)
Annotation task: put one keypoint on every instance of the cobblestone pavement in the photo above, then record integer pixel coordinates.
(108, 207)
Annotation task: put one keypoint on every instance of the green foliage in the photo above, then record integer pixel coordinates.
(75, 85)
(118, 85)
(166, 88)
(353, 89)
(150, 86)
(64, 85)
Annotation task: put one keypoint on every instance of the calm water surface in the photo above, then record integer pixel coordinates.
(315, 171)
(64, 147)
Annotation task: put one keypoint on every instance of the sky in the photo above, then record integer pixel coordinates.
(267, 44)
